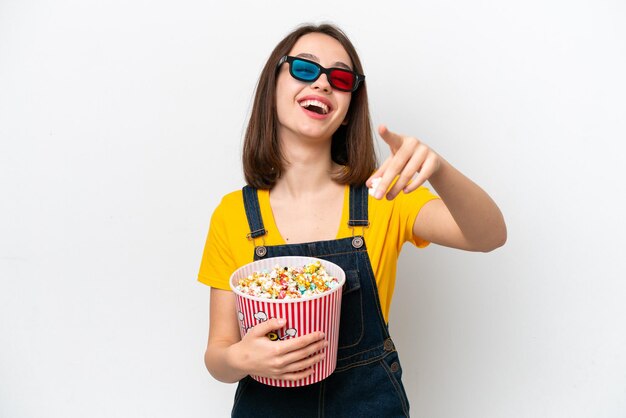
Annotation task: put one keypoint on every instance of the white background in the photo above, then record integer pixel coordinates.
(121, 127)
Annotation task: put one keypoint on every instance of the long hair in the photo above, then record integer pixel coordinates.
(352, 144)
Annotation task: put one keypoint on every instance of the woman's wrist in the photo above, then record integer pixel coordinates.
(224, 363)
(235, 362)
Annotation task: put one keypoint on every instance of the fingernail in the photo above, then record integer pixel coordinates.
(379, 194)
(322, 335)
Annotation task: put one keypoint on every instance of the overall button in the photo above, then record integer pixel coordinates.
(388, 345)
(395, 366)
(260, 251)
(357, 242)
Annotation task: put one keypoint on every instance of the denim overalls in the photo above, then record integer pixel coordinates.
(366, 382)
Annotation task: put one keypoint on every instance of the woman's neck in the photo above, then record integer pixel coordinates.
(308, 170)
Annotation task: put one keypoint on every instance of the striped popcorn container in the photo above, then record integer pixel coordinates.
(310, 314)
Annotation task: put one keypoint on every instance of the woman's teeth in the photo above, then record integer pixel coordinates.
(315, 106)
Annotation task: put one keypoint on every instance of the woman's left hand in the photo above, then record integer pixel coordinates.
(409, 156)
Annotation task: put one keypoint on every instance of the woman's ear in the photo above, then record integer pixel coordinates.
(345, 122)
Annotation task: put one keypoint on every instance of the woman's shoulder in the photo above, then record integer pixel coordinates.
(235, 197)
(229, 204)
(233, 202)
(232, 197)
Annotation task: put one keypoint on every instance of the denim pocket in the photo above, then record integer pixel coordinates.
(351, 322)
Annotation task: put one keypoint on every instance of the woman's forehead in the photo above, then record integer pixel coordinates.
(321, 48)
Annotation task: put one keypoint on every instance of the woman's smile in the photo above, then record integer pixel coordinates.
(316, 107)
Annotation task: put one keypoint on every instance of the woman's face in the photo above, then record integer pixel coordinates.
(312, 110)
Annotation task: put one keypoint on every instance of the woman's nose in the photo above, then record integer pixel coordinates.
(322, 83)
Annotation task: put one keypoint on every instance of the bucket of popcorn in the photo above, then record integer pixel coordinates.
(305, 291)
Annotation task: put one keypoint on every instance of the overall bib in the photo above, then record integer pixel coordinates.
(366, 382)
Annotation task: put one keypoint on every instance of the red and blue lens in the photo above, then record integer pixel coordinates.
(309, 71)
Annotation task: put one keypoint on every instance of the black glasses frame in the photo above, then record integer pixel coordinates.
(358, 78)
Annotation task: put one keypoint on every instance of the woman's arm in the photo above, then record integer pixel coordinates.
(465, 217)
(229, 358)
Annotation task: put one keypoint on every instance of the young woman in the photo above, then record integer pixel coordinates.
(308, 161)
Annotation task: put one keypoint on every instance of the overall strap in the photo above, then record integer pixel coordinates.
(253, 212)
(358, 206)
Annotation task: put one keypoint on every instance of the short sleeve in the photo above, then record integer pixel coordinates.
(217, 261)
(409, 205)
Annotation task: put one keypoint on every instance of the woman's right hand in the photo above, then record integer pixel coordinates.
(289, 359)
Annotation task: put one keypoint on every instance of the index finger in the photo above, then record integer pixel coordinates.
(392, 139)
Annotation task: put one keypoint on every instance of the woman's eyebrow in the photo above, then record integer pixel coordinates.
(316, 59)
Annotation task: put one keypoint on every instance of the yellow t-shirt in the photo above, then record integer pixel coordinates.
(391, 225)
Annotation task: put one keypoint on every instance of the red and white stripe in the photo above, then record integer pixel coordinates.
(320, 313)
